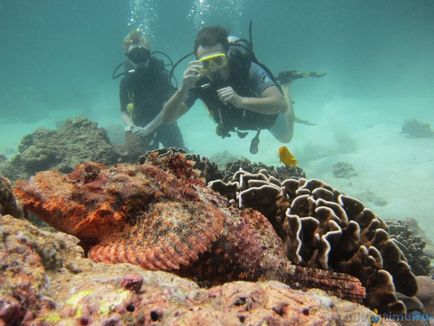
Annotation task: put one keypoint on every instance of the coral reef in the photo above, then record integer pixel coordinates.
(416, 129)
(413, 226)
(281, 172)
(343, 170)
(8, 204)
(27, 255)
(210, 170)
(411, 245)
(169, 220)
(322, 228)
(46, 281)
(224, 158)
(207, 168)
(75, 141)
(426, 293)
(134, 146)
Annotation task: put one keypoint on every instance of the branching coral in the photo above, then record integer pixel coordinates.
(411, 244)
(281, 172)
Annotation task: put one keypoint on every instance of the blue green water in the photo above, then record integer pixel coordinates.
(58, 55)
(57, 58)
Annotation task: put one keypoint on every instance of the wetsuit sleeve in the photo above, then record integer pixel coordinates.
(260, 80)
(123, 94)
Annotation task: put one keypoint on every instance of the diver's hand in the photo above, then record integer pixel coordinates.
(228, 96)
(140, 131)
(191, 75)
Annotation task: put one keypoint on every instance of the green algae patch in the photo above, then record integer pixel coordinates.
(112, 300)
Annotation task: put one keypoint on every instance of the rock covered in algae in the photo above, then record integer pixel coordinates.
(45, 280)
(416, 129)
(344, 170)
(8, 204)
(75, 141)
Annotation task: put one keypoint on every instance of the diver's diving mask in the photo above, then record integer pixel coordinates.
(138, 54)
(213, 62)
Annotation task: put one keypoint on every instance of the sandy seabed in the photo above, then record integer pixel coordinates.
(395, 174)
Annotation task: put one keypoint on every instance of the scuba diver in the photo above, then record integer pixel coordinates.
(144, 88)
(240, 93)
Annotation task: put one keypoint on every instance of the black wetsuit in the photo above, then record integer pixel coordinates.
(249, 81)
(147, 90)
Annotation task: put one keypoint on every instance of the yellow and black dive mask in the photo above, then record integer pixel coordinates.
(213, 62)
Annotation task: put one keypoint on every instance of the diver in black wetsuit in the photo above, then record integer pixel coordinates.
(143, 91)
(240, 93)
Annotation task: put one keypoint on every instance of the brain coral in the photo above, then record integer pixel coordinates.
(321, 227)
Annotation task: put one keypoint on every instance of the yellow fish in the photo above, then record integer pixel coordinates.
(286, 157)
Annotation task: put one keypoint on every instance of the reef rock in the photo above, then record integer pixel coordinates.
(213, 169)
(8, 204)
(45, 280)
(322, 228)
(280, 172)
(76, 140)
(426, 293)
(411, 244)
(417, 231)
(416, 129)
(167, 219)
(225, 157)
(208, 169)
(343, 170)
(369, 196)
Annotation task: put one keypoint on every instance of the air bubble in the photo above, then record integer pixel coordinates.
(143, 15)
(202, 10)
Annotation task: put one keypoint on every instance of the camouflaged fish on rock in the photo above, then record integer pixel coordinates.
(161, 216)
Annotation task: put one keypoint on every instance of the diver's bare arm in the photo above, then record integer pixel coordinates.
(175, 107)
(271, 100)
(126, 119)
(172, 110)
